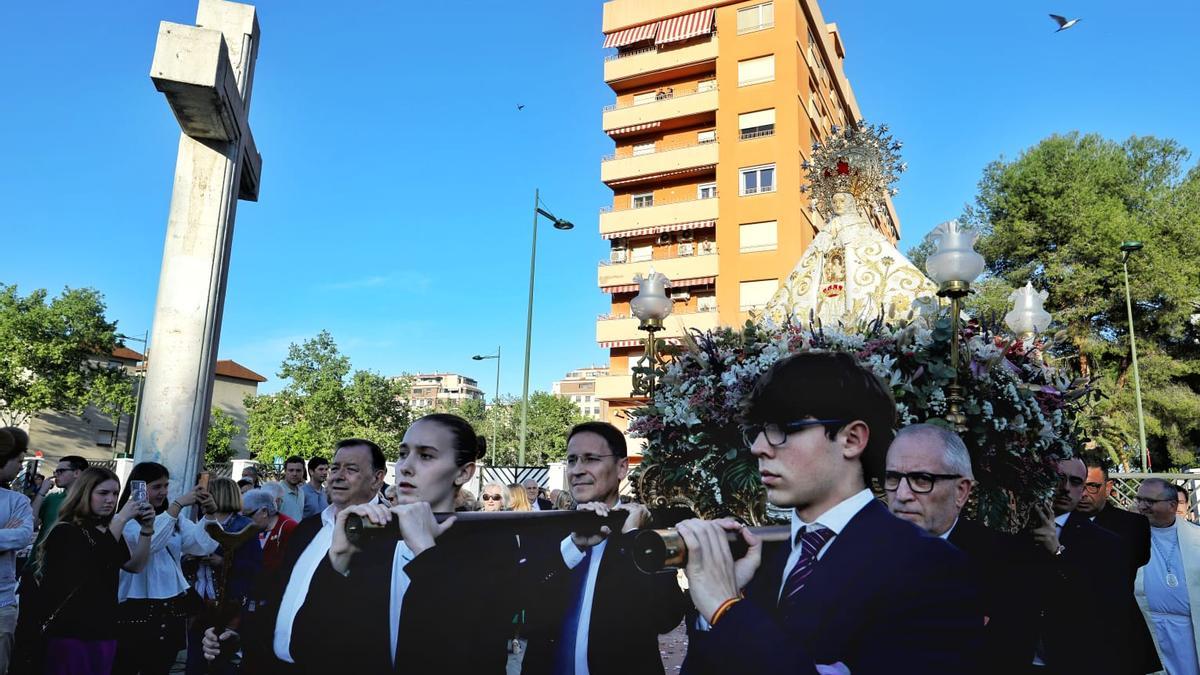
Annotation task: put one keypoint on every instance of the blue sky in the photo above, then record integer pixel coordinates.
(398, 175)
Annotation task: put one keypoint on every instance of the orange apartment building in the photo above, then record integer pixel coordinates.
(717, 106)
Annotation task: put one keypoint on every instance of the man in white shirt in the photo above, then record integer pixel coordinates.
(1168, 588)
(858, 590)
(16, 531)
(298, 634)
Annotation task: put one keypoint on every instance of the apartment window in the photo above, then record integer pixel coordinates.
(757, 124)
(754, 71)
(106, 437)
(706, 191)
(757, 179)
(706, 303)
(755, 18)
(758, 236)
(643, 200)
(643, 253)
(644, 97)
(706, 85)
(643, 149)
(706, 136)
(756, 294)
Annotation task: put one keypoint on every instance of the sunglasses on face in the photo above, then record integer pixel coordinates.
(491, 498)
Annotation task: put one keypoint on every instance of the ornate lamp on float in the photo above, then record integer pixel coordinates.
(651, 305)
(953, 266)
(1027, 317)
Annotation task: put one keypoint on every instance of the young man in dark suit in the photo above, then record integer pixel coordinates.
(593, 612)
(1134, 531)
(859, 590)
(291, 632)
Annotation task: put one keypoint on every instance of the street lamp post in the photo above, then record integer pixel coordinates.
(651, 306)
(953, 266)
(1128, 248)
(559, 224)
(485, 357)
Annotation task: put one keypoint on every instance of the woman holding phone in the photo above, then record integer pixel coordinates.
(80, 562)
(154, 603)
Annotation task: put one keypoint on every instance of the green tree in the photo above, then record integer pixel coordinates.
(324, 401)
(54, 355)
(550, 419)
(1056, 216)
(222, 429)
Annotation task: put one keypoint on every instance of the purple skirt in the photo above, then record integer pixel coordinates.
(68, 656)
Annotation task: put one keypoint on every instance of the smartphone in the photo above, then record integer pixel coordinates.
(202, 481)
(137, 490)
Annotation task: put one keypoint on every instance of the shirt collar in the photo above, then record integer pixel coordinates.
(834, 519)
(1062, 520)
(946, 535)
(329, 515)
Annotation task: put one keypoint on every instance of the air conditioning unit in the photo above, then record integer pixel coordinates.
(687, 235)
(664, 238)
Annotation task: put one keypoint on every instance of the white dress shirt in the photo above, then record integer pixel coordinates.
(572, 556)
(400, 582)
(297, 586)
(162, 578)
(834, 519)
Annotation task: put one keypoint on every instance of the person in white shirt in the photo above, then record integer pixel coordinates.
(153, 602)
(1168, 588)
(16, 531)
(293, 493)
(287, 632)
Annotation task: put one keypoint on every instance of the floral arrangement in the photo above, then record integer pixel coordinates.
(1020, 411)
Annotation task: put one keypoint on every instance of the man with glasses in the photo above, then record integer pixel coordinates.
(1168, 589)
(1134, 532)
(596, 613)
(858, 590)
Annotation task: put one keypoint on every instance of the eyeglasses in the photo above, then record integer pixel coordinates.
(1092, 488)
(777, 433)
(1073, 481)
(920, 482)
(491, 498)
(586, 460)
(1151, 502)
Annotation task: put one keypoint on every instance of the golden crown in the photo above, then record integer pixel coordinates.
(862, 160)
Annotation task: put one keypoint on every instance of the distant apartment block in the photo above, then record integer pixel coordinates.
(428, 391)
(580, 387)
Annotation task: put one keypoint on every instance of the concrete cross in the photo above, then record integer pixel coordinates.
(206, 72)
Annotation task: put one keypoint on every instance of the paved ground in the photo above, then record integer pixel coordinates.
(673, 647)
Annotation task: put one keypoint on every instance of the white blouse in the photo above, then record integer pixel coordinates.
(162, 577)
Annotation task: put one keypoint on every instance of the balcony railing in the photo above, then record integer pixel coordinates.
(757, 133)
(709, 248)
(610, 209)
(659, 49)
(662, 96)
(612, 156)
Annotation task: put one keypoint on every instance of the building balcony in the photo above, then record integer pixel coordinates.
(676, 325)
(620, 14)
(652, 59)
(656, 163)
(682, 267)
(687, 211)
(679, 104)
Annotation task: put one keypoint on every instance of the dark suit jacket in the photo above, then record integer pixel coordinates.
(885, 598)
(990, 557)
(1134, 532)
(545, 504)
(1077, 600)
(629, 611)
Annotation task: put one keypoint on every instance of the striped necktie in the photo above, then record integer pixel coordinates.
(810, 542)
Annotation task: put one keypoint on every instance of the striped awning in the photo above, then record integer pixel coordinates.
(675, 227)
(663, 174)
(675, 283)
(629, 36)
(684, 27)
(617, 344)
(632, 129)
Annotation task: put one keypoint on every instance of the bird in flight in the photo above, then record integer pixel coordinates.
(1063, 22)
(520, 107)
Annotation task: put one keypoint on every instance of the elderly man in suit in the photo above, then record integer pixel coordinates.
(1134, 532)
(1168, 589)
(858, 589)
